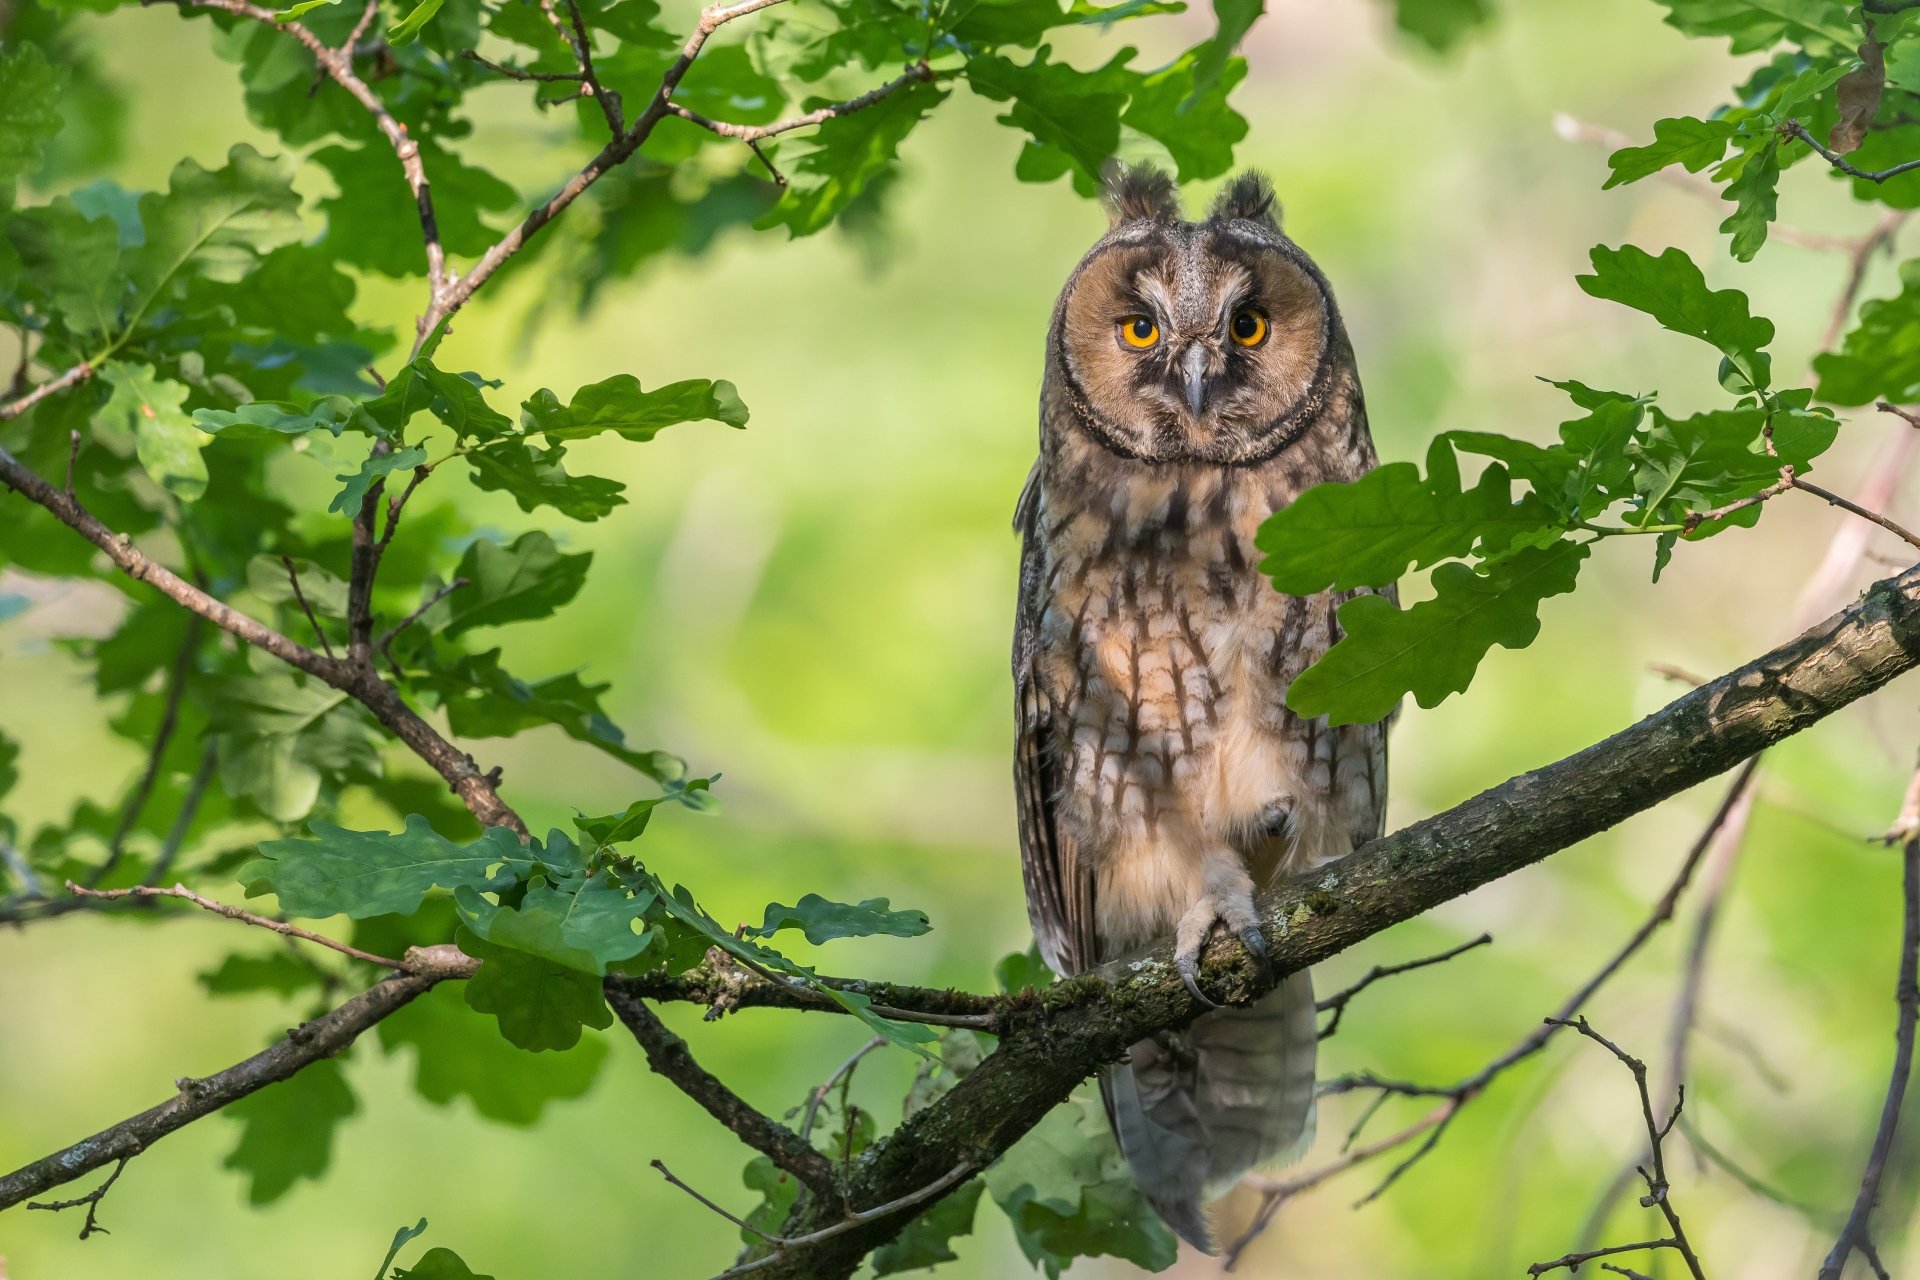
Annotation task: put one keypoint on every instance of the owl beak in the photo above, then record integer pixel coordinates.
(1194, 366)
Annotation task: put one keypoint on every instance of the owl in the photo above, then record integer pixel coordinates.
(1198, 378)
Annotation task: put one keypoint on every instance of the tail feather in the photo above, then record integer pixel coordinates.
(1195, 1111)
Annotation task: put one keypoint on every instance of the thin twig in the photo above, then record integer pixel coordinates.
(1845, 505)
(387, 636)
(520, 73)
(185, 894)
(741, 1223)
(14, 408)
(360, 28)
(73, 457)
(136, 804)
(844, 1071)
(1658, 1191)
(669, 1056)
(323, 1037)
(92, 1199)
(293, 577)
(1907, 998)
(1795, 129)
(1337, 1002)
(919, 73)
(583, 51)
(1879, 237)
(1572, 1261)
(783, 1244)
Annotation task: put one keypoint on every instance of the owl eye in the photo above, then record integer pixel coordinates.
(1139, 332)
(1249, 327)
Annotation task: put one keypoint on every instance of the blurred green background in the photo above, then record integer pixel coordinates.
(819, 608)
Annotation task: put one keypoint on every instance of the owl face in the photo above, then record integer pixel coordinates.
(1193, 341)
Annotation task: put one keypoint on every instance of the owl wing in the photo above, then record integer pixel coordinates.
(1059, 896)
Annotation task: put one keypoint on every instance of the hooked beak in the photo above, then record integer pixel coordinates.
(1193, 366)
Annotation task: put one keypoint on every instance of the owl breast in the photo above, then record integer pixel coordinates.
(1167, 657)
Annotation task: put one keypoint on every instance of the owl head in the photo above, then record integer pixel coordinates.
(1209, 342)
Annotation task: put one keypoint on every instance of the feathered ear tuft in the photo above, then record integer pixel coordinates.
(1139, 194)
(1249, 197)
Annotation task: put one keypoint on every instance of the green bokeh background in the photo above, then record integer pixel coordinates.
(818, 607)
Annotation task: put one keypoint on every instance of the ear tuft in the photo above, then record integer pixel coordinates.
(1248, 197)
(1142, 194)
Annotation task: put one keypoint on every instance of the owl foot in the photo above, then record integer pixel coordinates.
(1228, 900)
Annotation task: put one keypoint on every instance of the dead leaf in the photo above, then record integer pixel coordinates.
(1859, 97)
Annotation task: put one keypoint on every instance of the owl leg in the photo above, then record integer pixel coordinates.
(1226, 898)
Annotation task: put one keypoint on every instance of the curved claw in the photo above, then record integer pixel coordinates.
(1256, 944)
(1189, 967)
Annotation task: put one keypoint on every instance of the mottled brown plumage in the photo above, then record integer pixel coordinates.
(1161, 778)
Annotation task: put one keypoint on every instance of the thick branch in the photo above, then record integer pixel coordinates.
(1048, 1048)
(667, 1054)
(324, 1037)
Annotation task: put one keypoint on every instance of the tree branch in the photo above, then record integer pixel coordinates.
(1048, 1047)
(280, 927)
(324, 1037)
(668, 1055)
(1795, 129)
(1338, 1001)
(358, 681)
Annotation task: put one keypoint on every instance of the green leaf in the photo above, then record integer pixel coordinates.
(927, 1240)
(588, 927)
(438, 1264)
(1072, 117)
(150, 409)
(265, 420)
(777, 1190)
(484, 701)
(1756, 200)
(1023, 971)
(301, 10)
(1671, 290)
(281, 735)
(529, 578)
(214, 223)
(1232, 20)
(408, 28)
(372, 873)
(844, 157)
(1440, 24)
(356, 485)
(70, 265)
(30, 89)
(279, 972)
(1065, 1188)
(538, 1003)
(459, 1055)
(1693, 144)
(1751, 25)
(373, 222)
(1184, 108)
(404, 1234)
(1880, 357)
(619, 405)
(286, 1129)
(823, 921)
(1432, 649)
(1368, 532)
(536, 477)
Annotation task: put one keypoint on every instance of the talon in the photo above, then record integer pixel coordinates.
(1256, 944)
(1189, 967)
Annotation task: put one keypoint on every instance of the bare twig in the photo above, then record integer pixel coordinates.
(781, 1244)
(1572, 1261)
(323, 1037)
(668, 1055)
(1655, 1176)
(583, 52)
(1878, 238)
(844, 1071)
(156, 752)
(1845, 505)
(1907, 998)
(293, 577)
(185, 894)
(919, 73)
(1793, 128)
(741, 1223)
(520, 73)
(387, 636)
(1336, 1003)
(91, 1200)
(72, 377)
(360, 28)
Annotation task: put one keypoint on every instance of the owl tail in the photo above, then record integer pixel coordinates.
(1196, 1110)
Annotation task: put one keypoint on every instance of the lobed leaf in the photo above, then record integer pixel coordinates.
(822, 920)
(1671, 289)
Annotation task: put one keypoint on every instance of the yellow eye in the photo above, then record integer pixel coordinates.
(1249, 327)
(1139, 332)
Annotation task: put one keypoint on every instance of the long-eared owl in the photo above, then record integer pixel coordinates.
(1198, 378)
